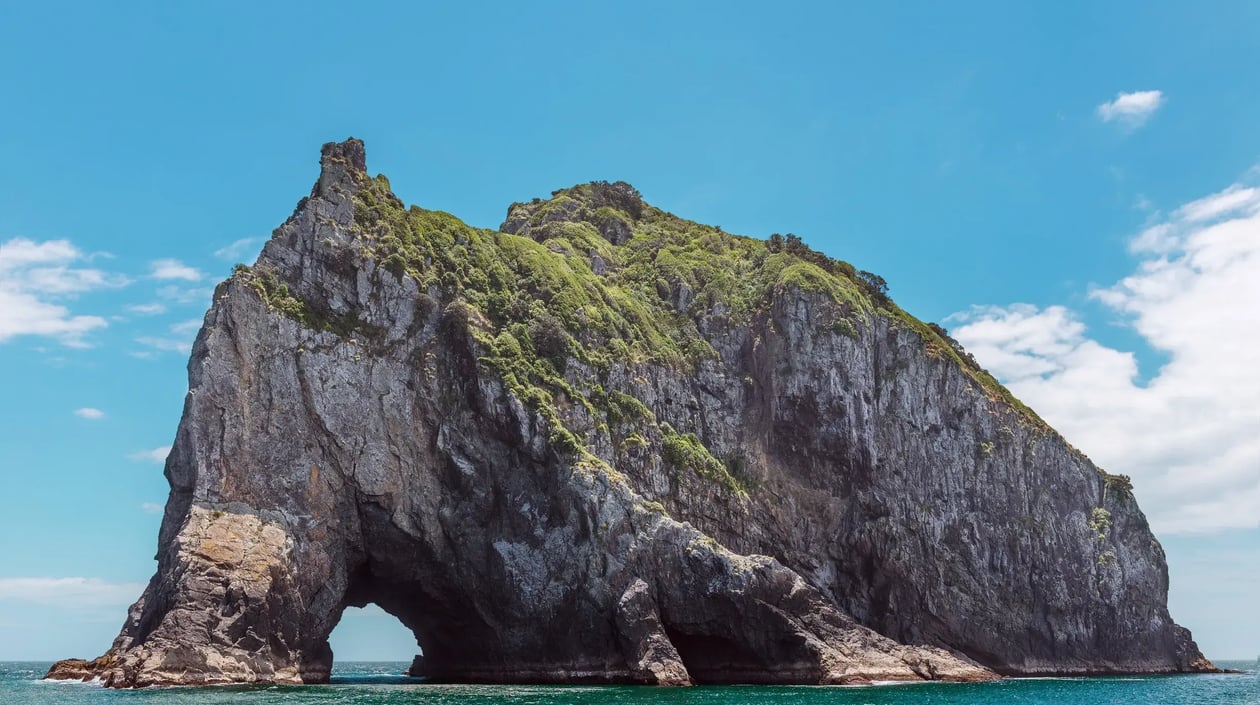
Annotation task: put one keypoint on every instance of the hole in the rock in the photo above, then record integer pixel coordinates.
(370, 644)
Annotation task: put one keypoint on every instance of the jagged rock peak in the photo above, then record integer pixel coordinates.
(342, 166)
(625, 448)
(351, 152)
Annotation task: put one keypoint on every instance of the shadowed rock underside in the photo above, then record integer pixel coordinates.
(605, 444)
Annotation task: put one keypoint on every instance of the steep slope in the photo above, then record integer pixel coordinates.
(608, 444)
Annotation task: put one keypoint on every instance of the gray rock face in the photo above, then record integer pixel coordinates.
(897, 523)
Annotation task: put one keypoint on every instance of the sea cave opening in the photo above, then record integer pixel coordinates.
(715, 660)
(371, 645)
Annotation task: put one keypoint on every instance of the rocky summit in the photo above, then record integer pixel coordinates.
(607, 444)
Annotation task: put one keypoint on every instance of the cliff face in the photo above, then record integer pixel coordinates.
(608, 444)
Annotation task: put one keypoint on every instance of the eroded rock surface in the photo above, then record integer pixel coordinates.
(576, 450)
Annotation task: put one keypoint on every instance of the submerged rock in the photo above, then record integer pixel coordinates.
(713, 460)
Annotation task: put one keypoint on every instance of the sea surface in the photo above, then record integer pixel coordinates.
(374, 683)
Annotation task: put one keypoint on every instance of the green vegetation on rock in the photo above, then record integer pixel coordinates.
(1118, 485)
(594, 278)
(685, 452)
(277, 296)
(1099, 521)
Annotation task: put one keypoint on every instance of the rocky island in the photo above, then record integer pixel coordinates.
(607, 444)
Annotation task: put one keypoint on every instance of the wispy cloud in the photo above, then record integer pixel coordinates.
(1235, 200)
(151, 508)
(189, 327)
(186, 295)
(150, 309)
(235, 251)
(155, 455)
(36, 281)
(180, 339)
(69, 592)
(1188, 436)
(173, 269)
(1131, 109)
(175, 345)
(89, 413)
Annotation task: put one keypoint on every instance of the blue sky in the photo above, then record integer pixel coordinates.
(1069, 188)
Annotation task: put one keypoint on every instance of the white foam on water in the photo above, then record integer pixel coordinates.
(72, 681)
(877, 684)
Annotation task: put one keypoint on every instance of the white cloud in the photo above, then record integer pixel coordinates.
(179, 341)
(236, 250)
(151, 508)
(25, 314)
(69, 280)
(1234, 200)
(89, 413)
(69, 592)
(156, 455)
(186, 295)
(20, 252)
(1131, 109)
(189, 327)
(173, 269)
(36, 279)
(150, 309)
(1190, 436)
(175, 345)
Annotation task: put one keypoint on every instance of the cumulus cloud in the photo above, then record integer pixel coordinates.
(1190, 435)
(155, 455)
(173, 269)
(69, 592)
(20, 252)
(37, 279)
(236, 250)
(89, 413)
(1131, 109)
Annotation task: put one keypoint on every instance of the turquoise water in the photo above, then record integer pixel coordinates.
(377, 684)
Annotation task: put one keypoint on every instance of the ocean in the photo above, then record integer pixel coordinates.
(378, 684)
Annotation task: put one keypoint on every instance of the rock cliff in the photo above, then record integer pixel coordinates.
(605, 444)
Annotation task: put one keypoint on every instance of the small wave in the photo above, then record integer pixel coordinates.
(872, 684)
(71, 681)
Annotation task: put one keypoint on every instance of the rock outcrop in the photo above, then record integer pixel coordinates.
(605, 444)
